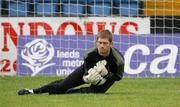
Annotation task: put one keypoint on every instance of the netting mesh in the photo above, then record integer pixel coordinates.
(55, 8)
(164, 13)
(90, 8)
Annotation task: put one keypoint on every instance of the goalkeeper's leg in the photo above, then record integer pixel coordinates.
(93, 88)
(61, 86)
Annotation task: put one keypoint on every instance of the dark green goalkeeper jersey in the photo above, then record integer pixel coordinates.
(115, 62)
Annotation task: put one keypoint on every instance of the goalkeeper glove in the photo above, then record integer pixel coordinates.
(100, 68)
(101, 82)
(93, 77)
(103, 62)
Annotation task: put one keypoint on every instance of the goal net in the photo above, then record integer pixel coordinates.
(145, 31)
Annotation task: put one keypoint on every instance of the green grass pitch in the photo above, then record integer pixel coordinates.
(129, 92)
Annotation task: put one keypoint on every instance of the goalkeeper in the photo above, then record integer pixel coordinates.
(103, 65)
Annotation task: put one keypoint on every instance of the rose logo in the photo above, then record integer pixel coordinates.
(37, 53)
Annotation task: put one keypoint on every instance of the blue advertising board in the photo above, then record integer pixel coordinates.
(145, 55)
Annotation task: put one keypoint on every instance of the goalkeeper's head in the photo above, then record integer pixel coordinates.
(104, 42)
(105, 34)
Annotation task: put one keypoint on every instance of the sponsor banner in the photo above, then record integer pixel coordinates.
(145, 55)
(12, 27)
(74, 25)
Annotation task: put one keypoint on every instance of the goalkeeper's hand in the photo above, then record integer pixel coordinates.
(101, 82)
(100, 68)
(94, 77)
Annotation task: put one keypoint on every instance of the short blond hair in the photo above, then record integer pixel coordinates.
(105, 34)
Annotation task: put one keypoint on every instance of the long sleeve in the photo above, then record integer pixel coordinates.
(116, 65)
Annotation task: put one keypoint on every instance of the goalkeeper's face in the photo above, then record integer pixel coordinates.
(104, 46)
